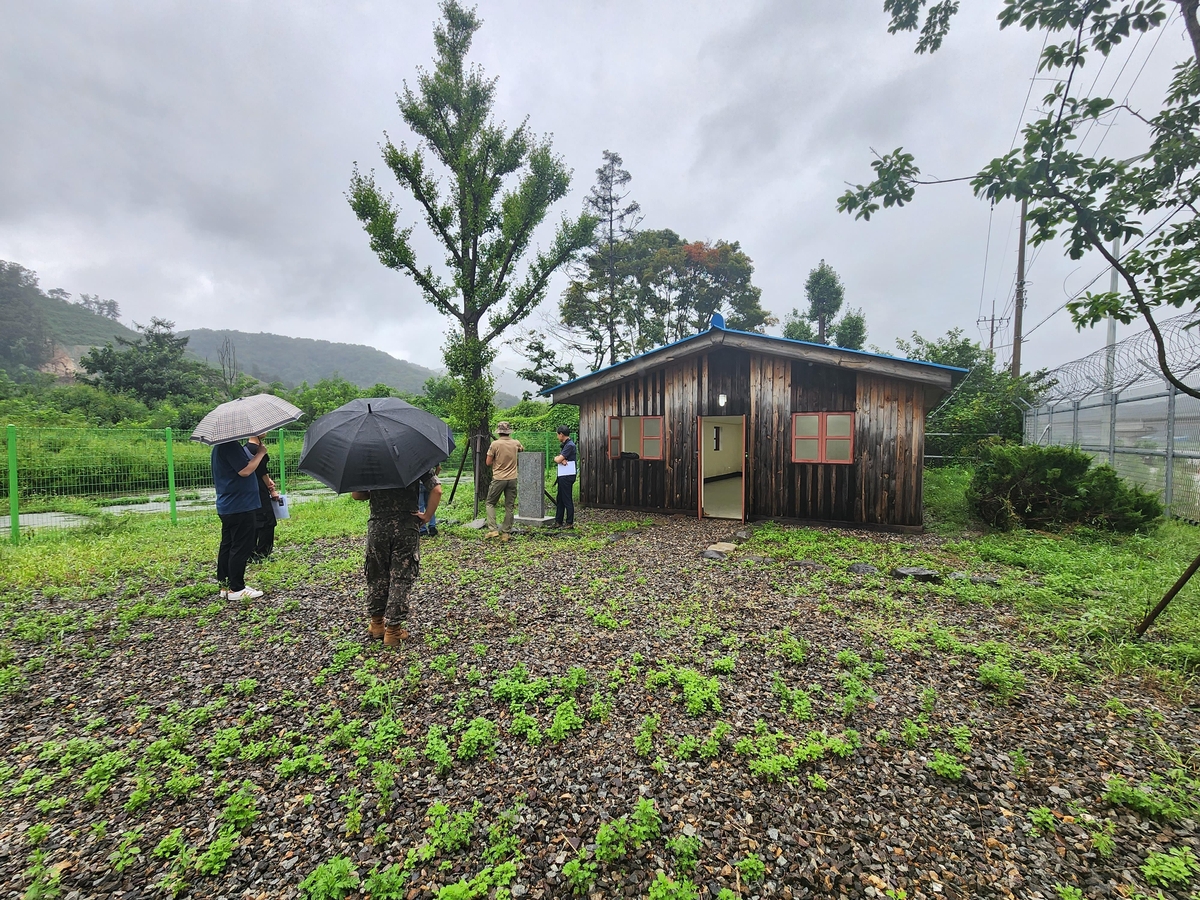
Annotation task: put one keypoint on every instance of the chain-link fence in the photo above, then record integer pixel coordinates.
(62, 478)
(1149, 433)
(949, 448)
(1115, 405)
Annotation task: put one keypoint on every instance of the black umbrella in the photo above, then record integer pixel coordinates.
(368, 445)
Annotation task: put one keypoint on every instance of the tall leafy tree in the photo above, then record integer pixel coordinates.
(987, 401)
(850, 331)
(546, 367)
(595, 305)
(153, 367)
(683, 284)
(1149, 201)
(482, 190)
(825, 293)
(796, 327)
(653, 261)
(667, 289)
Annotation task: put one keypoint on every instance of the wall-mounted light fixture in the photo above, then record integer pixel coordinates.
(721, 398)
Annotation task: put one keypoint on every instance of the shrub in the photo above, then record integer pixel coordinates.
(1022, 485)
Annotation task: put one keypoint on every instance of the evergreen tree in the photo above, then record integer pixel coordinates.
(851, 330)
(796, 327)
(824, 291)
(595, 306)
(825, 294)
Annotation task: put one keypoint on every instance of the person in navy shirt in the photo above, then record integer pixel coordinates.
(233, 468)
(564, 512)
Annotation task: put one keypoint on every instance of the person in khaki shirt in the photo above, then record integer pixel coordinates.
(502, 457)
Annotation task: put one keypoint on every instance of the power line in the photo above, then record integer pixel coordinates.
(1128, 59)
(1103, 272)
(987, 249)
(1108, 128)
(1028, 94)
(1133, 84)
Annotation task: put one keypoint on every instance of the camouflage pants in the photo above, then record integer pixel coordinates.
(393, 564)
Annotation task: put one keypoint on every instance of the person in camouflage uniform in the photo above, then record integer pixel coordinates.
(394, 553)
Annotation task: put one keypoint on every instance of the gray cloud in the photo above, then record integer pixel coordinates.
(190, 160)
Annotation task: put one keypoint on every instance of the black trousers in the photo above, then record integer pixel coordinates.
(564, 510)
(264, 526)
(238, 537)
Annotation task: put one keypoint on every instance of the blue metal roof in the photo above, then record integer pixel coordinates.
(718, 324)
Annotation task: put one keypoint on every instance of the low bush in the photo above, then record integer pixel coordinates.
(1022, 485)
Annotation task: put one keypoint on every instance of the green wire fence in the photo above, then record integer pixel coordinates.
(66, 477)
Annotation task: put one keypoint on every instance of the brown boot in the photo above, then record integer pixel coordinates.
(394, 635)
(375, 628)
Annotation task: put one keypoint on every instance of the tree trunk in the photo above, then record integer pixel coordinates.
(479, 430)
(1188, 9)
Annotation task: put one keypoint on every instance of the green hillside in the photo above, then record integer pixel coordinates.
(273, 357)
(71, 325)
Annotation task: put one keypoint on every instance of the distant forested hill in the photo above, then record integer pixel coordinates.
(273, 357)
(72, 326)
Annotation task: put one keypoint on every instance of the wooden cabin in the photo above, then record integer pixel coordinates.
(738, 425)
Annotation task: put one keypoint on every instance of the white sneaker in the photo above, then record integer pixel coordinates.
(245, 593)
(224, 593)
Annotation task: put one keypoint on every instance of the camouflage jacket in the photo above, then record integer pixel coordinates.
(401, 503)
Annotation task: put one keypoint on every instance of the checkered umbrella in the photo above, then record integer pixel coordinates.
(245, 417)
(374, 444)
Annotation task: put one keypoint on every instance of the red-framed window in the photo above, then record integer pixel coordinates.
(642, 435)
(823, 437)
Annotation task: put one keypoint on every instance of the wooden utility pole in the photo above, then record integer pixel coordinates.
(992, 321)
(1020, 300)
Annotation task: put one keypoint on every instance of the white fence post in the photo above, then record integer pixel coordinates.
(1112, 429)
(1169, 474)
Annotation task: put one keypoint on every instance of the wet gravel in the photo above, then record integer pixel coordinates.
(606, 598)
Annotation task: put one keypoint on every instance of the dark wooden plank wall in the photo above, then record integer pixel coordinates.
(883, 486)
(632, 482)
(890, 441)
(779, 487)
(679, 392)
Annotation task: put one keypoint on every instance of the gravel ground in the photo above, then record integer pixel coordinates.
(125, 734)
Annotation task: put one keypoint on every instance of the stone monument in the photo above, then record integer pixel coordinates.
(531, 488)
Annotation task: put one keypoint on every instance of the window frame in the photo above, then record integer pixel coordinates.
(822, 437)
(616, 437)
(660, 437)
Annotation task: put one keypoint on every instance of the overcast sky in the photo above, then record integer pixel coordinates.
(189, 160)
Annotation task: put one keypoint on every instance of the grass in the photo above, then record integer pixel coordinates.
(1072, 598)
(1082, 590)
(946, 508)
